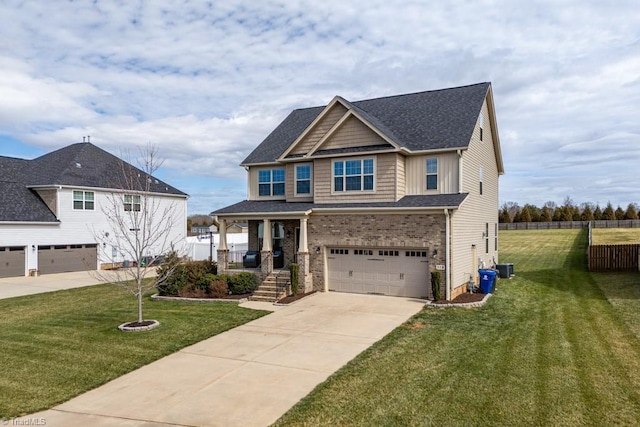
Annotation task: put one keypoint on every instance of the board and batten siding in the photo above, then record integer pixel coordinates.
(352, 133)
(384, 185)
(320, 129)
(469, 221)
(416, 174)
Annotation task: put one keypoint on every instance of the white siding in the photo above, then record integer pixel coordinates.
(416, 174)
(83, 226)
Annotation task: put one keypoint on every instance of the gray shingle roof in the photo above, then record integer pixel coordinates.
(82, 164)
(451, 201)
(431, 120)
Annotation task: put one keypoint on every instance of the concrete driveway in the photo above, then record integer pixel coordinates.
(248, 376)
(18, 286)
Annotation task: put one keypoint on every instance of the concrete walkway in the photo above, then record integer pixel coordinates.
(248, 376)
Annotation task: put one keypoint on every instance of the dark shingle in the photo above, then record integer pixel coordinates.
(451, 201)
(83, 165)
(431, 120)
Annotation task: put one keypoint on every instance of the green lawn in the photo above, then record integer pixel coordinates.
(611, 236)
(547, 349)
(58, 345)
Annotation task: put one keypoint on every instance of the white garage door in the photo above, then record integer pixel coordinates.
(11, 261)
(65, 258)
(379, 271)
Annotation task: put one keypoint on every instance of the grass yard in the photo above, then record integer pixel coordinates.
(612, 236)
(58, 345)
(547, 349)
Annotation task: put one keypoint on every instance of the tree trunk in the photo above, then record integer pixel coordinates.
(139, 305)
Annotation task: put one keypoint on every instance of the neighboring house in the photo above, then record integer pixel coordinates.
(51, 210)
(371, 196)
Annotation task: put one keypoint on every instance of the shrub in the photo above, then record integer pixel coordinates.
(435, 285)
(218, 287)
(177, 279)
(242, 283)
(294, 269)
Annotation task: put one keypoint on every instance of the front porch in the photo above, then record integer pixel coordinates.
(273, 252)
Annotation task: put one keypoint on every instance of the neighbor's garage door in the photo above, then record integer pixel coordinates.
(379, 271)
(65, 258)
(11, 261)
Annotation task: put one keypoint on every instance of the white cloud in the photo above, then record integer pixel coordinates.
(209, 81)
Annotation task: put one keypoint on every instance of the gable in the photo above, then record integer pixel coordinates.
(441, 119)
(352, 133)
(318, 130)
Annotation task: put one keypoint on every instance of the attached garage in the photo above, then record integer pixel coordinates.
(66, 258)
(387, 271)
(12, 261)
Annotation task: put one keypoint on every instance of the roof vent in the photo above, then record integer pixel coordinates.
(78, 165)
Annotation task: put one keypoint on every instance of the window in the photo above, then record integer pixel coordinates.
(83, 200)
(481, 124)
(421, 254)
(303, 179)
(432, 174)
(353, 175)
(271, 182)
(481, 179)
(131, 203)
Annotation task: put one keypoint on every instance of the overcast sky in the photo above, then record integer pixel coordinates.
(207, 81)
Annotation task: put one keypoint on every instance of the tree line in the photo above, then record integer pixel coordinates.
(568, 211)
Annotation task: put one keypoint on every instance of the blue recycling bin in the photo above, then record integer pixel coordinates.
(487, 281)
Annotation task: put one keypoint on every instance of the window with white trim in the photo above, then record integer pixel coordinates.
(271, 182)
(481, 177)
(432, 173)
(303, 179)
(83, 200)
(481, 124)
(131, 203)
(353, 175)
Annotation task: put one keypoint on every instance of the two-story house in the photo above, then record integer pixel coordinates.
(370, 196)
(53, 210)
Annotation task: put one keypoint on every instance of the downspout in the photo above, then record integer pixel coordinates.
(447, 272)
(459, 171)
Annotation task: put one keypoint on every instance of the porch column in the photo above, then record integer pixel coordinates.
(305, 279)
(266, 253)
(223, 252)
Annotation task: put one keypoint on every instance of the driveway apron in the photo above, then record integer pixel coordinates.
(247, 376)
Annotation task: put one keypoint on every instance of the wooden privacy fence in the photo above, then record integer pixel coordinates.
(614, 257)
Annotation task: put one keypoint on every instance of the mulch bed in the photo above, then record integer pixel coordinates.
(463, 298)
(291, 298)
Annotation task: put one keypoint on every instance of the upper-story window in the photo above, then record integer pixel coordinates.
(303, 179)
(83, 200)
(131, 203)
(353, 175)
(432, 173)
(481, 124)
(271, 182)
(481, 178)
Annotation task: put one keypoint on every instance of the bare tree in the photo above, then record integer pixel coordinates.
(140, 225)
